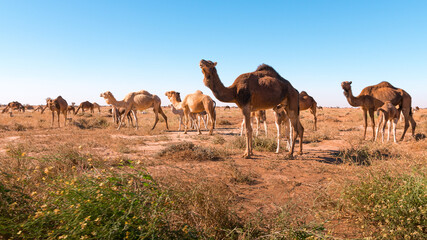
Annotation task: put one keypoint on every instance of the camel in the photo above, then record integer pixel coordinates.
(281, 118)
(40, 108)
(308, 102)
(200, 117)
(180, 114)
(96, 105)
(85, 105)
(29, 107)
(320, 107)
(416, 109)
(387, 113)
(259, 90)
(140, 100)
(118, 112)
(192, 104)
(58, 105)
(260, 117)
(373, 97)
(14, 106)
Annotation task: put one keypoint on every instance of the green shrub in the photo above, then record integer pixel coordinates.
(395, 204)
(114, 207)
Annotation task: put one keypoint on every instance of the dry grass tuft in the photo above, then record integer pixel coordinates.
(189, 151)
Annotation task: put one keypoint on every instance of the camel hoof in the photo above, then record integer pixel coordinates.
(291, 156)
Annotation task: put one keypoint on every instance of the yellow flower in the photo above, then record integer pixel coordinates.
(19, 232)
(23, 154)
(56, 211)
(87, 218)
(63, 237)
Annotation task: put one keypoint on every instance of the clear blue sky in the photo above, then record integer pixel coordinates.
(79, 49)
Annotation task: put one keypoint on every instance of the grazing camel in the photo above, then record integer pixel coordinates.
(373, 97)
(140, 100)
(308, 102)
(180, 114)
(58, 105)
(71, 109)
(260, 117)
(85, 105)
(14, 106)
(259, 90)
(387, 113)
(39, 108)
(194, 103)
(96, 105)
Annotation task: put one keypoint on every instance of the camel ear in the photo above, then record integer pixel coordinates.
(351, 82)
(215, 64)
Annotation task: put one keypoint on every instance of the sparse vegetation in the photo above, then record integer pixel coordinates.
(190, 151)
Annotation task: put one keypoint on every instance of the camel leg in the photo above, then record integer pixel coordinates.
(291, 134)
(406, 114)
(164, 117)
(156, 115)
(212, 117)
(247, 114)
(279, 128)
(65, 118)
(186, 118)
(242, 126)
(198, 126)
(394, 130)
(180, 123)
(313, 111)
(136, 119)
(58, 112)
(53, 119)
(122, 118)
(204, 121)
(380, 120)
(388, 130)
(371, 115)
(365, 121)
(265, 128)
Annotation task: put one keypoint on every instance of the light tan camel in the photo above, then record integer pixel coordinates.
(85, 105)
(259, 90)
(180, 114)
(14, 106)
(140, 100)
(280, 119)
(192, 104)
(58, 105)
(260, 117)
(308, 102)
(373, 97)
(387, 113)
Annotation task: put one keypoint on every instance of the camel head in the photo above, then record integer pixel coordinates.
(173, 95)
(347, 87)
(108, 96)
(208, 68)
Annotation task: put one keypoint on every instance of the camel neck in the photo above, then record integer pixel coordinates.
(352, 100)
(222, 93)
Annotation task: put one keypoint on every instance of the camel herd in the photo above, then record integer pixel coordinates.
(253, 93)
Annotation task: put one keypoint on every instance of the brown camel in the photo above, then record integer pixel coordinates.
(71, 109)
(308, 102)
(194, 103)
(140, 100)
(259, 90)
(85, 105)
(373, 97)
(58, 105)
(14, 106)
(387, 113)
(117, 113)
(227, 108)
(96, 105)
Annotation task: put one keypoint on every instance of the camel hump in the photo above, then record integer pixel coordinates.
(265, 67)
(384, 84)
(143, 92)
(198, 92)
(303, 93)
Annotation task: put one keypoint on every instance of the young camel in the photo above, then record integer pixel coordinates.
(308, 102)
(387, 113)
(140, 100)
(260, 117)
(58, 105)
(96, 105)
(281, 118)
(117, 114)
(180, 114)
(259, 90)
(194, 103)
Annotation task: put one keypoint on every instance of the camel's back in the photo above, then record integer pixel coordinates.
(384, 91)
(61, 103)
(143, 101)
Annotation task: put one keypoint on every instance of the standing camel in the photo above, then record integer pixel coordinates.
(308, 102)
(140, 100)
(387, 113)
(259, 90)
(373, 97)
(180, 114)
(58, 105)
(194, 103)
